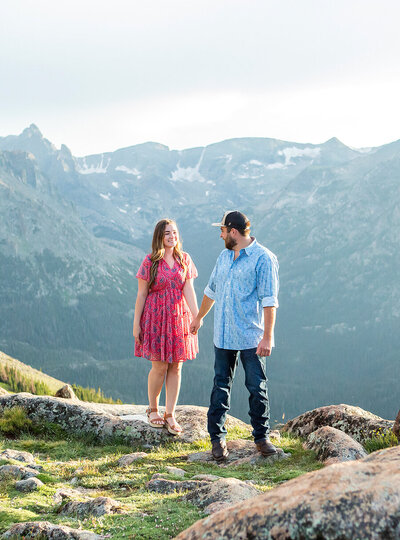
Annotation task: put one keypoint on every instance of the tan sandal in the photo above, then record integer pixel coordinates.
(175, 429)
(156, 422)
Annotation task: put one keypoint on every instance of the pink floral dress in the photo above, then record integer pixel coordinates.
(166, 318)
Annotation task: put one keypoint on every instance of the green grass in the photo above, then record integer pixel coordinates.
(148, 515)
(5, 386)
(381, 440)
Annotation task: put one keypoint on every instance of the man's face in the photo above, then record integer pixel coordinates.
(230, 242)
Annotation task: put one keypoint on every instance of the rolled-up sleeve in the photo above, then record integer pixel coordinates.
(268, 281)
(210, 290)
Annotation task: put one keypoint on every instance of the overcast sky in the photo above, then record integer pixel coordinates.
(99, 75)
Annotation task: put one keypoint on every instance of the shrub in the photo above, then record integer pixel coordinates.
(90, 394)
(14, 421)
(20, 383)
(384, 439)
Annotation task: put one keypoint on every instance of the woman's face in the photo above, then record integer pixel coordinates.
(170, 235)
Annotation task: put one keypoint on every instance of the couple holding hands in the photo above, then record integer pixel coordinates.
(244, 287)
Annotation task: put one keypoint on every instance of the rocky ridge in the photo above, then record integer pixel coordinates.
(366, 492)
(364, 488)
(103, 421)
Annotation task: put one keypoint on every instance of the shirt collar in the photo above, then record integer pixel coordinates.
(251, 246)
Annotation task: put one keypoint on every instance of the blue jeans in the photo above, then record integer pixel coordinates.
(256, 383)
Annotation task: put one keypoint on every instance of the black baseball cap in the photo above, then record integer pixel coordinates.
(234, 219)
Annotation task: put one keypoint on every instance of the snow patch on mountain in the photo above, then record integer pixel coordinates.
(276, 165)
(255, 162)
(100, 168)
(294, 152)
(122, 210)
(105, 196)
(188, 174)
(251, 169)
(134, 171)
(115, 184)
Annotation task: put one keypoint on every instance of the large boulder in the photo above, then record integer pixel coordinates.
(220, 494)
(44, 529)
(126, 421)
(94, 507)
(28, 485)
(354, 421)
(357, 499)
(333, 446)
(17, 471)
(66, 392)
(18, 455)
(192, 418)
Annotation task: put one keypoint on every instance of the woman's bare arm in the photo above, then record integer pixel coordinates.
(143, 291)
(190, 297)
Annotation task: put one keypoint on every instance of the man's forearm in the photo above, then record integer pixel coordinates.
(206, 304)
(269, 321)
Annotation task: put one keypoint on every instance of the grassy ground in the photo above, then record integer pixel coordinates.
(147, 515)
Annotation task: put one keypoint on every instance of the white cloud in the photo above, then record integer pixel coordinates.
(326, 78)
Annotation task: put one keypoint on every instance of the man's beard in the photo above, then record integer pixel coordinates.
(230, 242)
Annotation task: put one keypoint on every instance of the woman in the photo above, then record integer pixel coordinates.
(165, 305)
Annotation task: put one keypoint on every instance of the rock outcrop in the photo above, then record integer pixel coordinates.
(28, 485)
(94, 507)
(44, 529)
(220, 494)
(354, 421)
(17, 455)
(209, 492)
(334, 446)
(128, 459)
(17, 471)
(357, 499)
(240, 452)
(69, 494)
(127, 422)
(66, 392)
(176, 471)
(3, 391)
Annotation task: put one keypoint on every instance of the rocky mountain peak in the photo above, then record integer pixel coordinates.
(32, 131)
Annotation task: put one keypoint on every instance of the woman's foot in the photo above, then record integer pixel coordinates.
(172, 425)
(154, 418)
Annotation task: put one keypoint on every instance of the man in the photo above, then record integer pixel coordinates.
(244, 287)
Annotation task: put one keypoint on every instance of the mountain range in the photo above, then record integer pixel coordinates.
(73, 231)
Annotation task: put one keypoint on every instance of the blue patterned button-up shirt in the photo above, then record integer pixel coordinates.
(241, 288)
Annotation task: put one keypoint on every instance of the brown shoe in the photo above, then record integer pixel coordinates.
(219, 450)
(266, 448)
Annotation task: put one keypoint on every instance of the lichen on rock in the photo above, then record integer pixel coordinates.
(356, 422)
(332, 445)
(345, 501)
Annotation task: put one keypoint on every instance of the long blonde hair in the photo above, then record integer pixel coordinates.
(158, 249)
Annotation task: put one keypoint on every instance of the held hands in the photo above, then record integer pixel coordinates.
(195, 325)
(264, 347)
